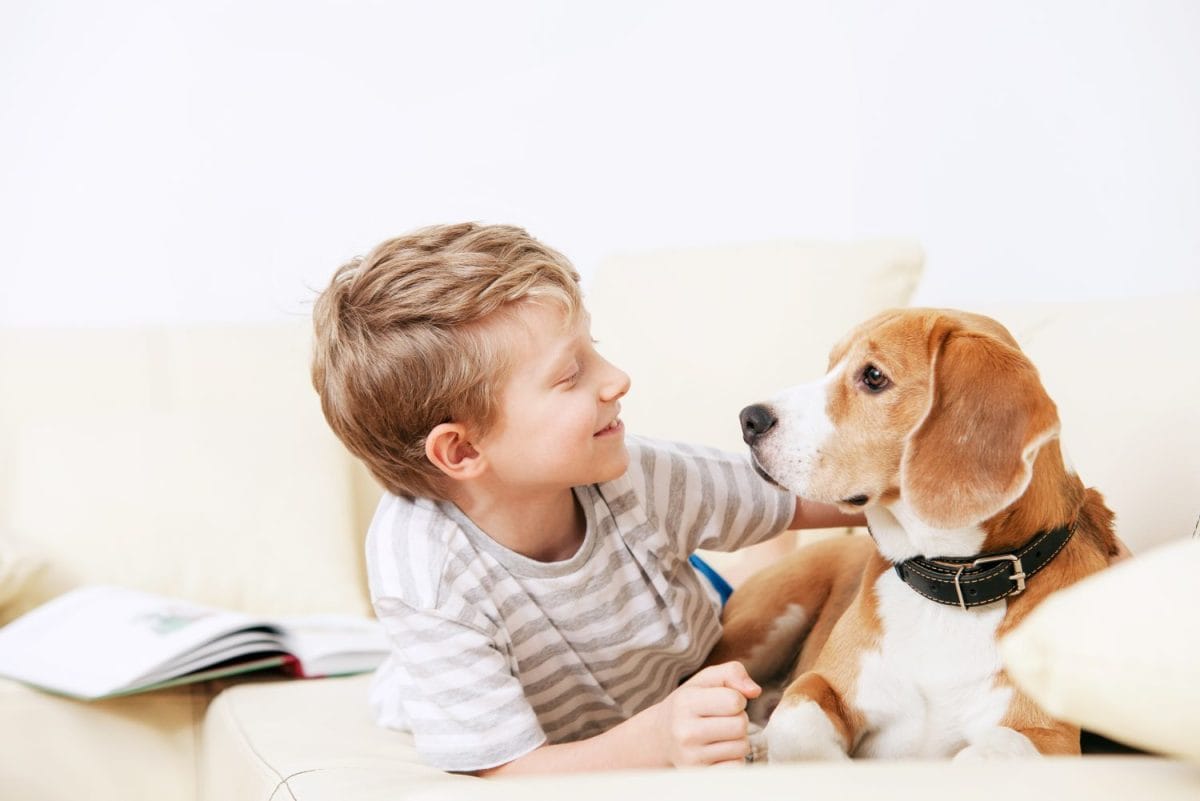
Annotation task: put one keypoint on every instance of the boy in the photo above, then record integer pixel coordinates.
(530, 564)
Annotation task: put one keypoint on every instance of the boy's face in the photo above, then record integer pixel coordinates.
(558, 425)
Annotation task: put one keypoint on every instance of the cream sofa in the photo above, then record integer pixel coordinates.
(195, 462)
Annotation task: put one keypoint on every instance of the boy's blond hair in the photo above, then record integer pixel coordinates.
(402, 342)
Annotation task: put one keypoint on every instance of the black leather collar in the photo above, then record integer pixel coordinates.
(983, 579)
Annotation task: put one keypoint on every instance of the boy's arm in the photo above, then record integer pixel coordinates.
(810, 514)
(702, 723)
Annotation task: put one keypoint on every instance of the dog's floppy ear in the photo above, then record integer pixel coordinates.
(972, 455)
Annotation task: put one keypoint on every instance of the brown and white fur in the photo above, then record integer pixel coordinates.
(956, 455)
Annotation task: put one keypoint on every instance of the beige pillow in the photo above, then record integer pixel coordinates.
(1121, 373)
(704, 332)
(243, 511)
(187, 461)
(1119, 653)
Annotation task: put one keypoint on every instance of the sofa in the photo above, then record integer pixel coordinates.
(193, 461)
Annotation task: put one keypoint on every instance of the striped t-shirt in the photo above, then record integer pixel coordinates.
(494, 654)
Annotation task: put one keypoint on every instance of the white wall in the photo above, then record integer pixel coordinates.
(217, 160)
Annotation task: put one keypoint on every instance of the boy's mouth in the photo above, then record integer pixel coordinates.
(611, 428)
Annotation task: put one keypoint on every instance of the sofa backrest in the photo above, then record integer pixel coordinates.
(189, 461)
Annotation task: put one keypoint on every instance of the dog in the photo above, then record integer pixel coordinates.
(935, 425)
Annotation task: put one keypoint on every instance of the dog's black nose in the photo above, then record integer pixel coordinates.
(756, 421)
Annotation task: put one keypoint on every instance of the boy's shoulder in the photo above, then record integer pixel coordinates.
(410, 546)
(662, 471)
(646, 452)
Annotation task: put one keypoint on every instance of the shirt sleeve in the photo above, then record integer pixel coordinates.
(704, 498)
(451, 685)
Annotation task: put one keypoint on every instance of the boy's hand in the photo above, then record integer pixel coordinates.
(704, 721)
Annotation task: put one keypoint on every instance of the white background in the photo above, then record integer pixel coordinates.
(213, 161)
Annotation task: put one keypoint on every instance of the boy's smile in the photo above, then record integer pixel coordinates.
(615, 427)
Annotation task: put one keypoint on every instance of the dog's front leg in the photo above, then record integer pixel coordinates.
(811, 722)
(1025, 730)
(1000, 742)
(1059, 739)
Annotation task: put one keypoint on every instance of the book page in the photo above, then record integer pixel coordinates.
(251, 642)
(217, 672)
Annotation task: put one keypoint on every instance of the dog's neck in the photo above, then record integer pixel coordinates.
(1051, 499)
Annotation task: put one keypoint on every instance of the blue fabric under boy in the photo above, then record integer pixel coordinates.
(714, 578)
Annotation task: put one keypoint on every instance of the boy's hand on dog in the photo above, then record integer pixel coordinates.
(704, 721)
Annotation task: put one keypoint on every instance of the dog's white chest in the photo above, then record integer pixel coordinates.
(931, 683)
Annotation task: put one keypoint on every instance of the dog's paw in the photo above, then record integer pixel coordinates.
(1000, 742)
(759, 709)
(802, 731)
(758, 744)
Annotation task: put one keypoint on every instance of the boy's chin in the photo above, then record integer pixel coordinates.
(614, 468)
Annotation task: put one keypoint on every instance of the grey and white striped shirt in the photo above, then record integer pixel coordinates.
(495, 654)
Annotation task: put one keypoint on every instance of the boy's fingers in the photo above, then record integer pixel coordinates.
(729, 728)
(727, 674)
(733, 751)
(718, 701)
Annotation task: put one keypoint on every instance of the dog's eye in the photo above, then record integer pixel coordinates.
(874, 379)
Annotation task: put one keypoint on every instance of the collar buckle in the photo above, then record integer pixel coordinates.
(1018, 569)
(1018, 574)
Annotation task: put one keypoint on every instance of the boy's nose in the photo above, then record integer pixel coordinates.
(617, 385)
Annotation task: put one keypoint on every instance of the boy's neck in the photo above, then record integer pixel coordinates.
(546, 527)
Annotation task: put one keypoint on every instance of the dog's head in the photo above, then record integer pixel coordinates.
(935, 408)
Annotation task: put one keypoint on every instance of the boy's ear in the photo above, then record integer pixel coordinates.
(449, 448)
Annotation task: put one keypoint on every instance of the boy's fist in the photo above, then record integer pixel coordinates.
(704, 721)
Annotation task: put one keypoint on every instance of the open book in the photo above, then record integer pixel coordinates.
(102, 641)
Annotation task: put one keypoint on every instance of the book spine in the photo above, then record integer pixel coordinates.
(293, 667)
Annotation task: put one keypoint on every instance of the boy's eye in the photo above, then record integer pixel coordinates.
(573, 377)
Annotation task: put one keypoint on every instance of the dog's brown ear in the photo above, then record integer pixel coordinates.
(972, 455)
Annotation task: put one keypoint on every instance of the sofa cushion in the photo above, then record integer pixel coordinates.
(60, 749)
(310, 739)
(1118, 653)
(314, 740)
(190, 462)
(1060, 779)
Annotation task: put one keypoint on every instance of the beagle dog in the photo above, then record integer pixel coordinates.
(936, 425)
